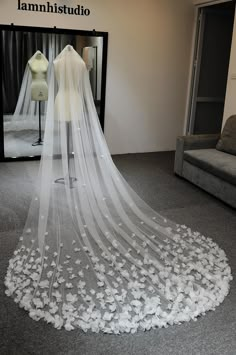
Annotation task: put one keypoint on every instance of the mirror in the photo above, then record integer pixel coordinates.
(22, 118)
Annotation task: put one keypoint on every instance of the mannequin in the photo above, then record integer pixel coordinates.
(38, 65)
(67, 100)
(88, 57)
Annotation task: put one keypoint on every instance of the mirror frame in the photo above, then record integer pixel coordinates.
(55, 30)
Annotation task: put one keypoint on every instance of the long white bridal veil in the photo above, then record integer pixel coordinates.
(93, 254)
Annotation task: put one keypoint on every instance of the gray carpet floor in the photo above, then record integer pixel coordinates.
(19, 143)
(151, 175)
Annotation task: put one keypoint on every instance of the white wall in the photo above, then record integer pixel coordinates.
(230, 102)
(148, 60)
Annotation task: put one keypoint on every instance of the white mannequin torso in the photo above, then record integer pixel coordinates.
(88, 57)
(38, 65)
(68, 98)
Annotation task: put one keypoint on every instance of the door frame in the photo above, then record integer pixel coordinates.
(194, 71)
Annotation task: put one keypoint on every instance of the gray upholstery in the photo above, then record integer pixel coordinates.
(215, 162)
(199, 141)
(210, 183)
(227, 141)
(198, 160)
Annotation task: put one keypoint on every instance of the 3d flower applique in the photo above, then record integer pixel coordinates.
(100, 283)
(58, 322)
(72, 298)
(115, 284)
(44, 284)
(25, 302)
(110, 273)
(53, 264)
(81, 284)
(49, 318)
(53, 308)
(59, 268)
(87, 298)
(95, 259)
(49, 274)
(57, 295)
(68, 326)
(37, 302)
(113, 307)
(35, 314)
(100, 295)
(107, 316)
(45, 298)
(81, 273)
(69, 285)
(61, 280)
(115, 244)
(34, 276)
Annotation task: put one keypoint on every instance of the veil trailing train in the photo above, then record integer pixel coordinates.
(93, 254)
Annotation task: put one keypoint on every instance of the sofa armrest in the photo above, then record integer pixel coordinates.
(198, 141)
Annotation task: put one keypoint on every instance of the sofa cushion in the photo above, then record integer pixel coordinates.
(215, 162)
(227, 141)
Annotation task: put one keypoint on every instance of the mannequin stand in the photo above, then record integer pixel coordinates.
(67, 180)
(39, 141)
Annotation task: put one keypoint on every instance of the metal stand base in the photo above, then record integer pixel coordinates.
(65, 181)
(38, 142)
(68, 180)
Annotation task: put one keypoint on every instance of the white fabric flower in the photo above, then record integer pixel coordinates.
(44, 284)
(69, 285)
(71, 298)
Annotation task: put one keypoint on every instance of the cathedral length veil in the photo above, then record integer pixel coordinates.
(93, 254)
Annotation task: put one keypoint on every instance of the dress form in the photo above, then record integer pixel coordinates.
(68, 98)
(88, 57)
(38, 65)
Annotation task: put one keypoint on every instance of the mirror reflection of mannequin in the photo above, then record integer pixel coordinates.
(88, 57)
(38, 65)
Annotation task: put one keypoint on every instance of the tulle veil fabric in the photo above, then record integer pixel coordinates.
(93, 254)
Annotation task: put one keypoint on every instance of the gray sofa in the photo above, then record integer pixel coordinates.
(214, 170)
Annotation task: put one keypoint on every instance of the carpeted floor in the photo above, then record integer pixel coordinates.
(19, 143)
(151, 175)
